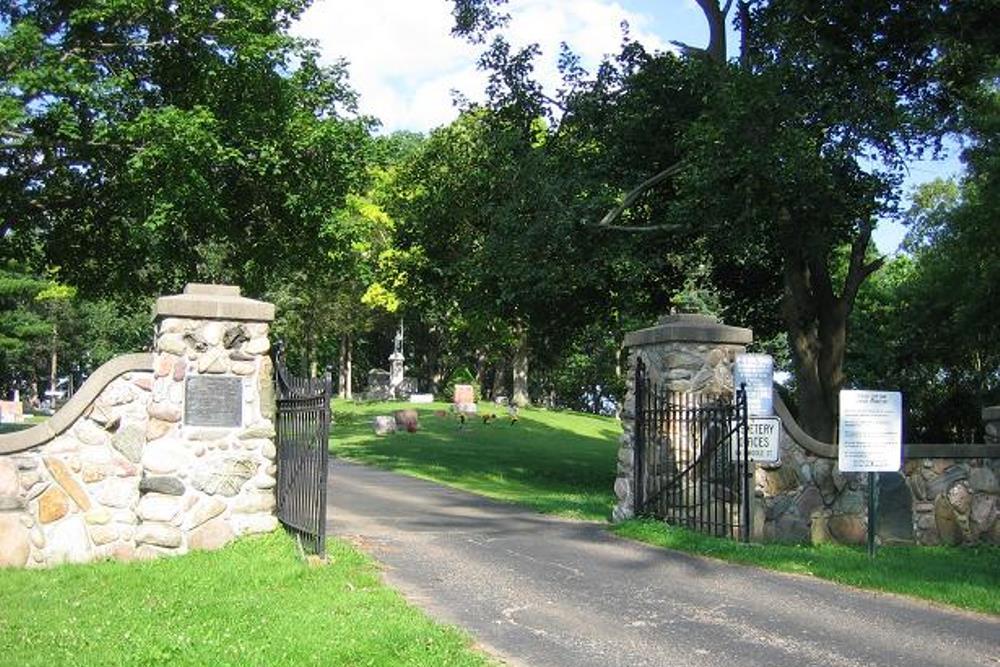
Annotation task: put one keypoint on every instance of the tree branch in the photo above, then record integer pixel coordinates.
(716, 49)
(743, 11)
(643, 228)
(688, 50)
(632, 196)
(858, 270)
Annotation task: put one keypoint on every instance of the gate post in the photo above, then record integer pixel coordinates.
(210, 432)
(683, 353)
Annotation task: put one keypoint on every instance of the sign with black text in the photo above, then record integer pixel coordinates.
(756, 372)
(765, 439)
(871, 431)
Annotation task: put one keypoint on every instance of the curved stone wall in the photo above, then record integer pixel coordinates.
(119, 472)
(945, 494)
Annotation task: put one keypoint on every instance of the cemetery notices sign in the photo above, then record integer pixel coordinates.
(871, 431)
(756, 371)
(213, 401)
(765, 439)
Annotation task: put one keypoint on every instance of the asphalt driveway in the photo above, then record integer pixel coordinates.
(541, 591)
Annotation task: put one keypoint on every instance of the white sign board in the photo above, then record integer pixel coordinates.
(871, 431)
(756, 371)
(765, 439)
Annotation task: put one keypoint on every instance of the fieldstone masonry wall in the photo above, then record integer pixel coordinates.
(127, 477)
(946, 494)
(805, 497)
(955, 501)
(681, 353)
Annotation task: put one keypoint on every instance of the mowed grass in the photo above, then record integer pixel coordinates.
(564, 463)
(966, 577)
(29, 421)
(253, 603)
(555, 462)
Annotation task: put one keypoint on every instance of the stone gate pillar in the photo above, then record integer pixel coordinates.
(156, 453)
(209, 461)
(683, 352)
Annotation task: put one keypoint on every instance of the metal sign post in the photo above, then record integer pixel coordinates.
(872, 512)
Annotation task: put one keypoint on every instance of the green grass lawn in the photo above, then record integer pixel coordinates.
(29, 421)
(564, 463)
(253, 603)
(963, 577)
(556, 462)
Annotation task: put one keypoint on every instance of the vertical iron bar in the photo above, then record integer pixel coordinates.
(747, 482)
(639, 443)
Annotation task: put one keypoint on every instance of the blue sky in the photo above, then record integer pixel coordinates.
(405, 64)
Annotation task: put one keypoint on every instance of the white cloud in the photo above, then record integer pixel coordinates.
(404, 62)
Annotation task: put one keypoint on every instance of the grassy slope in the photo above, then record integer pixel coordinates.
(253, 603)
(564, 463)
(555, 462)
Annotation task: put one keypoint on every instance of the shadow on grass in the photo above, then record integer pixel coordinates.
(966, 577)
(560, 463)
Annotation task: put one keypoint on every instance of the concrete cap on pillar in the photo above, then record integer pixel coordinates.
(213, 302)
(690, 328)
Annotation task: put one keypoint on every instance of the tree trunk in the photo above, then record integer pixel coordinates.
(433, 361)
(498, 380)
(481, 373)
(344, 380)
(54, 363)
(312, 356)
(519, 366)
(816, 319)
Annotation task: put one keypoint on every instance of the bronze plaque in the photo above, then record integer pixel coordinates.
(213, 401)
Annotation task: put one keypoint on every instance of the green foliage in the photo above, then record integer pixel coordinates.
(783, 162)
(40, 316)
(926, 325)
(588, 376)
(24, 329)
(196, 609)
(145, 146)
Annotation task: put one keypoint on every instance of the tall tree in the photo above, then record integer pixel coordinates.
(774, 166)
(146, 144)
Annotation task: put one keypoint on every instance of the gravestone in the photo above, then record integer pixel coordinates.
(464, 393)
(378, 385)
(384, 425)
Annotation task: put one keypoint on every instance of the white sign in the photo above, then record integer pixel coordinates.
(765, 439)
(756, 371)
(871, 431)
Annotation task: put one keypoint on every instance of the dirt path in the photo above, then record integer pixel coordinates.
(542, 591)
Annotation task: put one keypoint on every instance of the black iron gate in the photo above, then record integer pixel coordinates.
(691, 463)
(303, 433)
